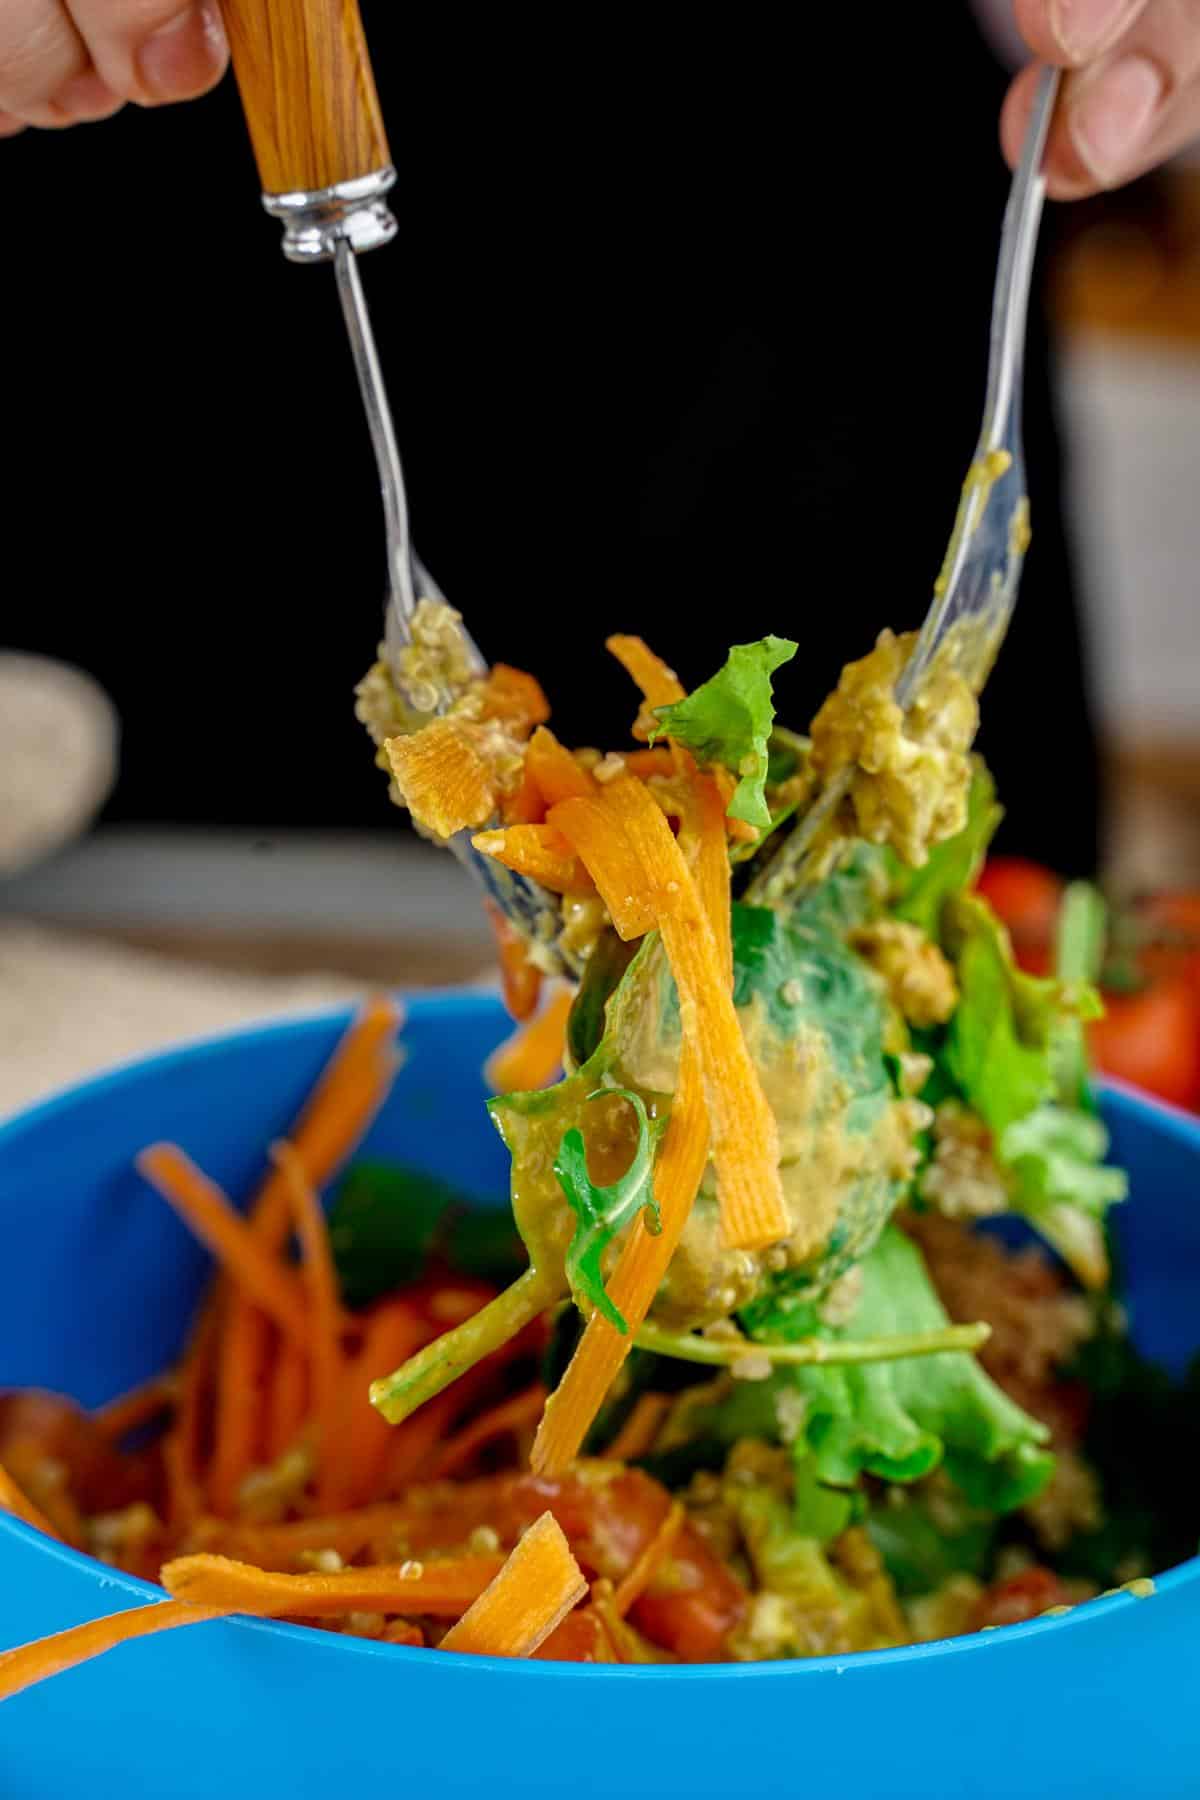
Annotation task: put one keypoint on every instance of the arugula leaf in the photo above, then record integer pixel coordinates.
(603, 1211)
(382, 1227)
(728, 720)
(951, 867)
(387, 1221)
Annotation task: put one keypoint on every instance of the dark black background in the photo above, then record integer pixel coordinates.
(685, 334)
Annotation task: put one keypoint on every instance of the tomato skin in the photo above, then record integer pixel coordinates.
(1151, 1039)
(1019, 1598)
(1026, 898)
(610, 1514)
(1169, 925)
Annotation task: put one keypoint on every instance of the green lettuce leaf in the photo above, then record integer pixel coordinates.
(601, 1212)
(728, 721)
(894, 1420)
(951, 867)
(387, 1221)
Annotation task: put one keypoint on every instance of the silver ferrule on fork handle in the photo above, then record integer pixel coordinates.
(352, 213)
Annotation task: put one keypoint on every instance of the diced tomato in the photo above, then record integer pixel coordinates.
(1020, 1597)
(1152, 1038)
(1027, 898)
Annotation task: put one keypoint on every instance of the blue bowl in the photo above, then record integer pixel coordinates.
(96, 1285)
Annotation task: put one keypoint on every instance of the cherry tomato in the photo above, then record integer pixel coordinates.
(1027, 898)
(609, 1514)
(1021, 1597)
(1151, 1038)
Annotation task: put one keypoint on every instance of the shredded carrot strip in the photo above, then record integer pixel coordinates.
(287, 1399)
(440, 1588)
(520, 979)
(525, 804)
(238, 1436)
(339, 1110)
(533, 1056)
(415, 1441)
(444, 778)
(538, 851)
(393, 1332)
(14, 1500)
(202, 1206)
(644, 1259)
(278, 1546)
(559, 776)
(515, 697)
(660, 685)
(529, 1597)
(640, 1429)
(182, 1444)
(510, 1417)
(325, 1340)
(650, 1561)
(609, 859)
(128, 1412)
(707, 820)
(644, 763)
(745, 1139)
(35, 1662)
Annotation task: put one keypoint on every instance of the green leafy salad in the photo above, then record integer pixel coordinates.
(816, 1220)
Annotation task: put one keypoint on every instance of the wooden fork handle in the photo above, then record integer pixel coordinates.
(308, 91)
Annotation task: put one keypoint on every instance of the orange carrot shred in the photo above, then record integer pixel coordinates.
(745, 1138)
(392, 1333)
(48, 1656)
(513, 696)
(182, 1444)
(13, 1499)
(640, 1429)
(326, 1311)
(202, 1206)
(338, 1111)
(558, 774)
(533, 1056)
(520, 979)
(439, 1588)
(660, 685)
(650, 1561)
(525, 804)
(644, 763)
(444, 777)
(509, 1418)
(287, 1399)
(533, 1593)
(538, 851)
(129, 1412)
(238, 1435)
(609, 859)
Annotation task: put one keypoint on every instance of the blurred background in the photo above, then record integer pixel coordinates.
(691, 343)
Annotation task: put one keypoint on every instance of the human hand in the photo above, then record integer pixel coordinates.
(64, 61)
(1132, 93)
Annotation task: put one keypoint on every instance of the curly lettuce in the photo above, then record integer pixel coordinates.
(729, 719)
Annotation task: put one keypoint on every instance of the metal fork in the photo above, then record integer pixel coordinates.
(977, 588)
(527, 905)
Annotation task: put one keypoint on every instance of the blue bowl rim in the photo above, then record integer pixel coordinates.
(466, 1000)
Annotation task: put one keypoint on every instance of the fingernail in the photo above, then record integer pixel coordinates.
(184, 57)
(85, 97)
(1084, 26)
(1112, 116)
